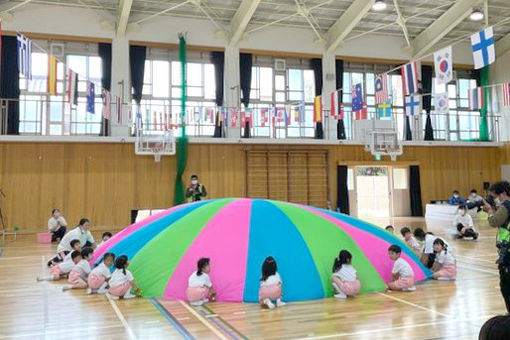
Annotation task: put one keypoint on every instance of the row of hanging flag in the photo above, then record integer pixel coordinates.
(24, 46)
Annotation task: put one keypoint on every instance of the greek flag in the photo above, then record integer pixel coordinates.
(24, 56)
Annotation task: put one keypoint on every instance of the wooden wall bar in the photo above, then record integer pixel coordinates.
(104, 181)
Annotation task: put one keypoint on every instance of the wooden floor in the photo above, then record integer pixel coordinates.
(437, 310)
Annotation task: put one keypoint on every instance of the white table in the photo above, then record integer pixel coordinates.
(441, 211)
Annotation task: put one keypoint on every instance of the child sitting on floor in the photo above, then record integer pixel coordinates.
(106, 236)
(199, 284)
(410, 240)
(61, 256)
(62, 269)
(402, 274)
(445, 266)
(270, 284)
(390, 229)
(99, 276)
(344, 277)
(122, 281)
(80, 272)
(463, 223)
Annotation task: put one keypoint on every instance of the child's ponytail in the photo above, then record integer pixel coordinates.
(344, 257)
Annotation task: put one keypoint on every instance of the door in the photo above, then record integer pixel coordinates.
(373, 194)
(400, 191)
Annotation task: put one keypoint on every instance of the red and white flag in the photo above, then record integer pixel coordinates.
(233, 118)
(161, 121)
(336, 104)
(263, 117)
(506, 94)
(381, 88)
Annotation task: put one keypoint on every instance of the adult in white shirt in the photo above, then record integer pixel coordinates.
(57, 225)
(82, 233)
(463, 222)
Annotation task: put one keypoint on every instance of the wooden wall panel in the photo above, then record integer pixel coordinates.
(104, 181)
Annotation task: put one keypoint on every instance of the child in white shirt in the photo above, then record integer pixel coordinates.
(344, 277)
(445, 267)
(61, 270)
(200, 288)
(463, 222)
(80, 272)
(402, 273)
(122, 281)
(106, 236)
(410, 240)
(99, 276)
(270, 284)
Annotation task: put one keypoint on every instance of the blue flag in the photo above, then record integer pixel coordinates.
(357, 98)
(91, 97)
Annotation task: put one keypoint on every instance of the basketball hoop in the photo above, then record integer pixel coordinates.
(155, 143)
(156, 150)
(384, 142)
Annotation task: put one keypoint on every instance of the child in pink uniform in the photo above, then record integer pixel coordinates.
(444, 267)
(99, 276)
(200, 287)
(410, 240)
(402, 273)
(122, 281)
(80, 272)
(62, 269)
(61, 256)
(270, 285)
(344, 277)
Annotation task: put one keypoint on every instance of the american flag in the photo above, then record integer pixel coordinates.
(24, 56)
(381, 88)
(506, 94)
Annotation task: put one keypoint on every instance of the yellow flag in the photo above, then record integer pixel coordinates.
(52, 75)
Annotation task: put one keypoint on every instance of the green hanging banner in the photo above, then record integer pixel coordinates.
(484, 126)
(182, 141)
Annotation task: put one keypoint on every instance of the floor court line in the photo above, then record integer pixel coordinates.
(203, 320)
(121, 318)
(414, 305)
(57, 331)
(172, 320)
(210, 310)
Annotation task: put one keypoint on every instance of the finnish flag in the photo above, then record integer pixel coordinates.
(483, 48)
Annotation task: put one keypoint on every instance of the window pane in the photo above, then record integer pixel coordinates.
(350, 179)
(194, 74)
(400, 179)
(266, 84)
(309, 86)
(78, 63)
(161, 78)
(95, 68)
(280, 82)
(295, 80)
(209, 82)
(176, 73)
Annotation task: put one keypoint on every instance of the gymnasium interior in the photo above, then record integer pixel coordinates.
(238, 130)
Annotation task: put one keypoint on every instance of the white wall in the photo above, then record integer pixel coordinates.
(500, 73)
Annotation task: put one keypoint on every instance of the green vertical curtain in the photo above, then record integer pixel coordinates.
(182, 141)
(484, 127)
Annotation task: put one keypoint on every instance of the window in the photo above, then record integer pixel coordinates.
(399, 179)
(162, 93)
(43, 114)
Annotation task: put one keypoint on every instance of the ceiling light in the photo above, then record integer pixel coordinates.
(476, 15)
(379, 5)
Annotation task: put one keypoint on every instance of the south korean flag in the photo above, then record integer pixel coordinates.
(443, 65)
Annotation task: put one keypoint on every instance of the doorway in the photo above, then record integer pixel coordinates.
(372, 191)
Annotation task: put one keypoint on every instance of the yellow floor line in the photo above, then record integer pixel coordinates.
(203, 320)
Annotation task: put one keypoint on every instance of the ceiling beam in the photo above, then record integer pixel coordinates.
(442, 26)
(242, 18)
(344, 25)
(503, 45)
(124, 10)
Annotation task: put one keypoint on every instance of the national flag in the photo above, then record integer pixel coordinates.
(118, 105)
(210, 114)
(161, 127)
(106, 104)
(317, 109)
(72, 87)
(357, 98)
(91, 97)
(413, 105)
(441, 102)
(384, 110)
(223, 115)
(302, 111)
(381, 88)
(443, 65)
(52, 75)
(410, 78)
(483, 48)
(296, 114)
(280, 114)
(263, 117)
(361, 114)
(233, 118)
(506, 94)
(335, 103)
(198, 112)
(166, 120)
(138, 122)
(155, 121)
(24, 56)
(476, 98)
(147, 117)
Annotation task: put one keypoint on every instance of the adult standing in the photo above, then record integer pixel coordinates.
(501, 219)
(195, 191)
(81, 233)
(57, 225)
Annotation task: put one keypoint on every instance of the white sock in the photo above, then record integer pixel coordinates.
(46, 278)
(335, 286)
(341, 295)
(280, 303)
(268, 303)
